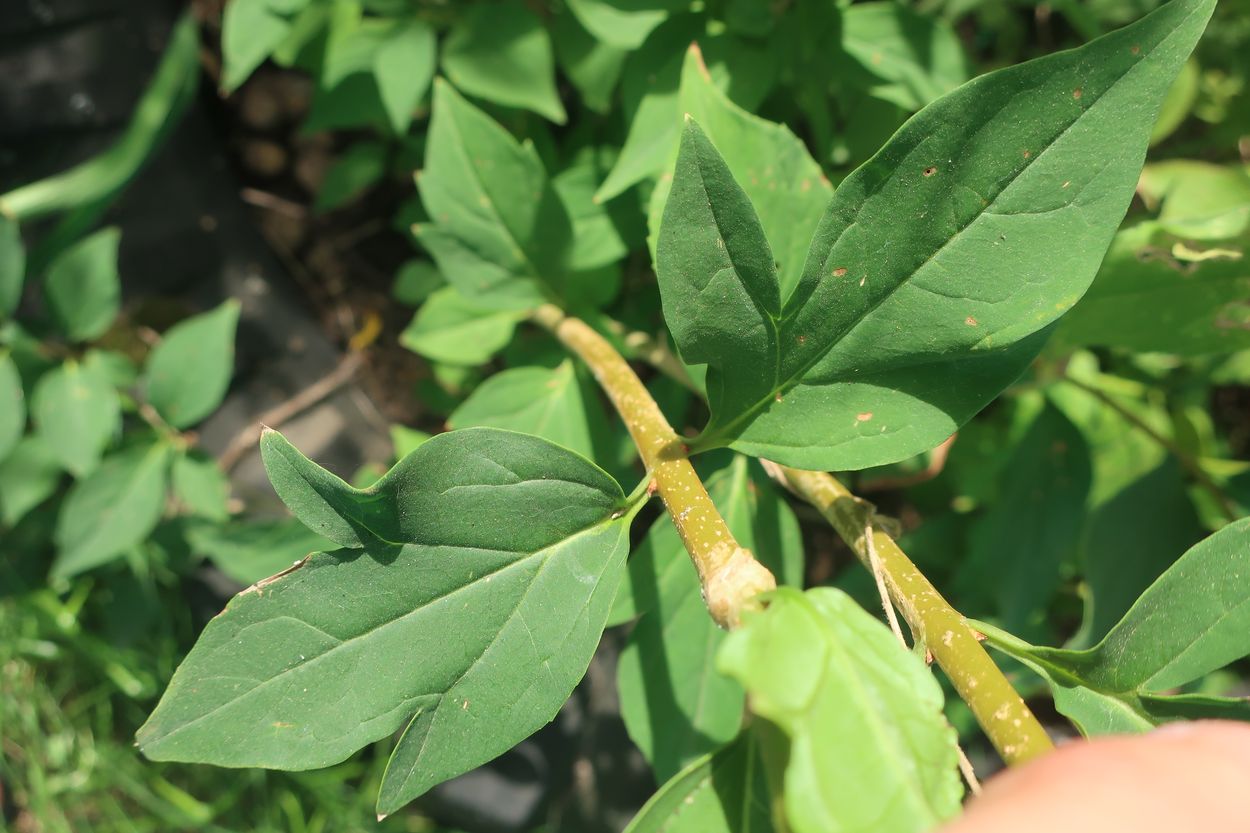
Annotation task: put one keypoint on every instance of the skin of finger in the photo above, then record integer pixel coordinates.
(1187, 776)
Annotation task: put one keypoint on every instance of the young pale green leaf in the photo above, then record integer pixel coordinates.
(939, 266)
(251, 551)
(188, 373)
(12, 405)
(1194, 619)
(29, 475)
(725, 792)
(512, 544)
(353, 173)
(111, 510)
(76, 411)
(1032, 527)
(1198, 200)
(403, 67)
(12, 266)
(624, 24)
(499, 232)
(918, 57)
(778, 175)
(675, 704)
(83, 288)
(499, 51)
(453, 329)
(200, 485)
(869, 747)
(250, 31)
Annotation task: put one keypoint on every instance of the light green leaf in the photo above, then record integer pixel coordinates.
(28, 476)
(499, 231)
(12, 405)
(200, 485)
(597, 233)
(250, 31)
(403, 67)
(725, 792)
(450, 328)
(112, 510)
(1198, 200)
(188, 373)
(500, 51)
(12, 266)
(1179, 102)
(83, 288)
(919, 57)
(869, 747)
(510, 543)
(353, 173)
(593, 65)
(939, 267)
(675, 704)
(251, 551)
(415, 281)
(406, 440)
(76, 412)
(624, 24)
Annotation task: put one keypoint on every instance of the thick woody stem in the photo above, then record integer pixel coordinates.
(729, 574)
(1007, 721)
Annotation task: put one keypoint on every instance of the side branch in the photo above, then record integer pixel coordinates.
(1007, 721)
(729, 574)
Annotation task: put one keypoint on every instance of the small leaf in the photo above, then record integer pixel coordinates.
(415, 281)
(200, 485)
(188, 373)
(407, 440)
(112, 510)
(510, 543)
(83, 288)
(29, 475)
(869, 747)
(450, 328)
(403, 67)
(12, 266)
(919, 56)
(500, 51)
(351, 175)
(624, 24)
(1198, 200)
(251, 551)
(592, 65)
(12, 405)
(76, 411)
(250, 31)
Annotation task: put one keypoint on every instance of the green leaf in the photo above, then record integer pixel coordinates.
(12, 405)
(29, 475)
(869, 746)
(407, 440)
(250, 31)
(111, 510)
(598, 240)
(251, 551)
(188, 373)
(1198, 200)
(780, 178)
(510, 543)
(12, 266)
(76, 411)
(592, 65)
(415, 281)
(1179, 102)
(624, 24)
(353, 173)
(500, 51)
(1032, 527)
(919, 57)
(499, 232)
(939, 266)
(675, 704)
(1192, 620)
(403, 68)
(83, 288)
(200, 485)
(450, 328)
(725, 792)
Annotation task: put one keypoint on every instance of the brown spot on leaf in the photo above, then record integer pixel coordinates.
(930, 171)
(802, 339)
(864, 417)
(1136, 50)
(970, 321)
(1077, 93)
(1027, 154)
(839, 272)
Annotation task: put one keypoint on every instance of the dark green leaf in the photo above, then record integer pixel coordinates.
(83, 288)
(28, 476)
(76, 412)
(188, 373)
(12, 405)
(353, 173)
(12, 266)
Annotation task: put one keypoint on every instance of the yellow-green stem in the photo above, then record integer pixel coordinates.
(1007, 721)
(728, 573)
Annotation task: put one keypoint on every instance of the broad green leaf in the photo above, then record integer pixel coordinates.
(725, 792)
(12, 266)
(1192, 620)
(594, 66)
(254, 550)
(675, 704)
(188, 373)
(111, 510)
(498, 50)
(353, 173)
(778, 175)
(1198, 200)
(403, 68)
(624, 24)
(1032, 527)
(76, 412)
(869, 746)
(939, 266)
(918, 57)
(415, 281)
(513, 545)
(598, 238)
(83, 288)
(498, 231)
(1145, 298)
(200, 485)
(451, 328)
(12, 405)
(29, 475)
(250, 31)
